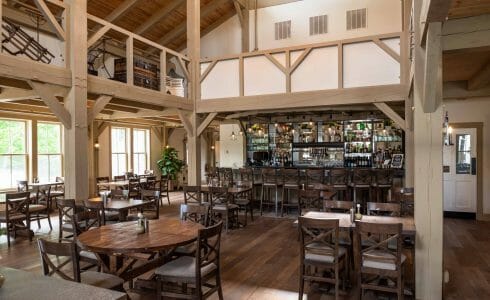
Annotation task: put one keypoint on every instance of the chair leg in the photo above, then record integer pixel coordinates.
(38, 222)
(8, 235)
(168, 198)
(49, 221)
(301, 283)
(218, 283)
(159, 289)
(337, 282)
(261, 199)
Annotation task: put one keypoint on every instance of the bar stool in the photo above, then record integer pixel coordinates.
(383, 182)
(270, 182)
(407, 204)
(290, 180)
(362, 180)
(257, 180)
(314, 176)
(226, 176)
(339, 180)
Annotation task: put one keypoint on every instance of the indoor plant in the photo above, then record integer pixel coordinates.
(170, 164)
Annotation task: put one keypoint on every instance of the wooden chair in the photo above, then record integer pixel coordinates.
(270, 182)
(221, 208)
(309, 200)
(119, 178)
(152, 210)
(379, 259)
(66, 211)
(150, 183)
(192, 194)
(290, 181)
(339, 180)
(383, 209)
(337, 206)
(195, 213)
(58, 191)
(314, 176)
(362, 180)
(197, 271)
(320, 251)
(98, 209)
(42, 206)
(226, 176)
(102, 188)
(246, 174)
(134, 188)
(22, 186)
(407, 203)
(119, 194)
(383, 181)
(16, 212)
(163, 188)
(69, 251)
(244, 200)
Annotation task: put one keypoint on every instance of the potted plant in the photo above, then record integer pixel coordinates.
(170, 165)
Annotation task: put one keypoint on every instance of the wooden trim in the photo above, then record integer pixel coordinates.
(390, 113)
(102, 126)
(432, 11)
(184, 69)
(464, 33)
(99, 105)
(346, 96)
(96, 36)
(163, 71)
(208, 70)
(120, 10)
(340, 66)
(60, 32)
(458, 90)
(185, 121)
(204, 124)
(47, 95)
(241, 75)
(239, 13)
(288, 73)
(276, 63)
(299, 60)
(387, 49)
(480, 79)
(433, 69)
(129, 61)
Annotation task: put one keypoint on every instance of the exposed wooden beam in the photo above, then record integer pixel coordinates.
(120, 10)
(276, 63)
(48, 15)
(299, 60)
(99, 105)
(433, 11)
(208, 70)
(204, 124)
(480, 79)
(47, 95)
(23, 19)
(185, 121)
(139, 114)
(157, 16)
(96, 36)
(347, 96)
(134, 104)
(387, 49)
(464, 33)
(129, 61)
(239, 12)
(457, 90)
(433, 68)
(183, 66)
(16, 107)
(390, 113)
(13, 94)
(102, 126)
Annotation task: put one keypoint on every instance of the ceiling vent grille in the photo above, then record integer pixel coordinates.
(318, 25)
(282, 30)
(356, 19)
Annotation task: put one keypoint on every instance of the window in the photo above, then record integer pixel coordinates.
(49, 158)
(463, 154)
(356, 18)
(318, 25)
(141, 141)
(13, 154)
(282, 30)
(119, 147)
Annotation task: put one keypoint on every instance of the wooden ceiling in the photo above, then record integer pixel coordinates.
(161, 21)
(468, 8)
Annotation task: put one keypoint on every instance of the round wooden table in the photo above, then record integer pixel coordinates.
(118, 246)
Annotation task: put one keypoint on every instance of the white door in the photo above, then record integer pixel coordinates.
(459, 162)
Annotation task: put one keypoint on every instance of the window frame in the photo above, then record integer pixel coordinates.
(49, 155)
(146, 151)
(13, 182)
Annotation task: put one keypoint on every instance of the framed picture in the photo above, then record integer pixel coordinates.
(397, 161)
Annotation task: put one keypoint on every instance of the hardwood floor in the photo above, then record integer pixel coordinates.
(261, 260)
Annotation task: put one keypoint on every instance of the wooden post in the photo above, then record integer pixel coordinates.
(194, 52)
(245, 24)
(428, 167)
(34, 151)
(76, 141)
(129, 61)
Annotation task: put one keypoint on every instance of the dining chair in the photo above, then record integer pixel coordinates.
(152, 209)
(383, 209)
(163, 187)
(407, 203)
(134, 188)
(337, 206)
(16, 213)
(41, 208)
(84, 219)
(119, 178)
(378, 262)
(58, 190)
(226, 176)
(290, 182)
(339, 180)
(315, 176)
(150, 183)
(66, 211)
(271, 182)
(198, 270)
(66, 253)
(221, 207)
(197, 214)
(22, 186)
(382, 184)
(192, 194)
(118, 194)
(309, 200)
(97, 207)
(362, 180)
(320, 249)
(244, 200)
(100, 187)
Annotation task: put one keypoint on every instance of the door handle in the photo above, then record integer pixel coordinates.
(473, 166)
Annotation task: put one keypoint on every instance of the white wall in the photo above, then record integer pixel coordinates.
(384, 16)
(104, 153)
(231, 154)
(476, 110)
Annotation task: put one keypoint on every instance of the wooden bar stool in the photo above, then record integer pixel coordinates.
(383, 181)
(339, 180)
(270, 182)
(314, 176)
(290, 180)
(362, 180)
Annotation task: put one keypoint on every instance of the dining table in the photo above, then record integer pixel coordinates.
(121, 206)
(120, 246)
(21, 285)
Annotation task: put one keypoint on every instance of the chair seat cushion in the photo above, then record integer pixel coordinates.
(3, 217)
(223, 207)
(183, 267)
(37, 207)
(111, 215)
(319, 258)
(378, 259)
(102, 280)
(189, 249)
(57, 193)
(88, 254)
(242, 201)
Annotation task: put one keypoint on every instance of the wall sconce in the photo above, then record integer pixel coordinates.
(96, 145)
(167, 146)
(233, 135)
(450, 136)
(212, 147)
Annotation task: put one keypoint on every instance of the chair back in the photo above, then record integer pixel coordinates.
(226, 176)
(119, 178)
(218, 195)
(54, 266)
(269, 176)
(97, 208)
(362, 177)
(384, 177)
(43, 195)
(208, 245)
(195, 213)
(246, 174)
(129, 175)
(163, 184)
(134, 184)
(383, 209)
(90, 218)
(192, 194)
(117, 194)
(407, 202)
(339, 177)
(310, 200)
(379, 239)
(101, 188)
(290, 177)
(320, 237)
(150, 183)
(337, 206)
(22, 186)
(17, 204)
(153, 198)
(315, 176)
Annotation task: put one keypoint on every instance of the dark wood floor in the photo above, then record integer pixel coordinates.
(260, 261)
